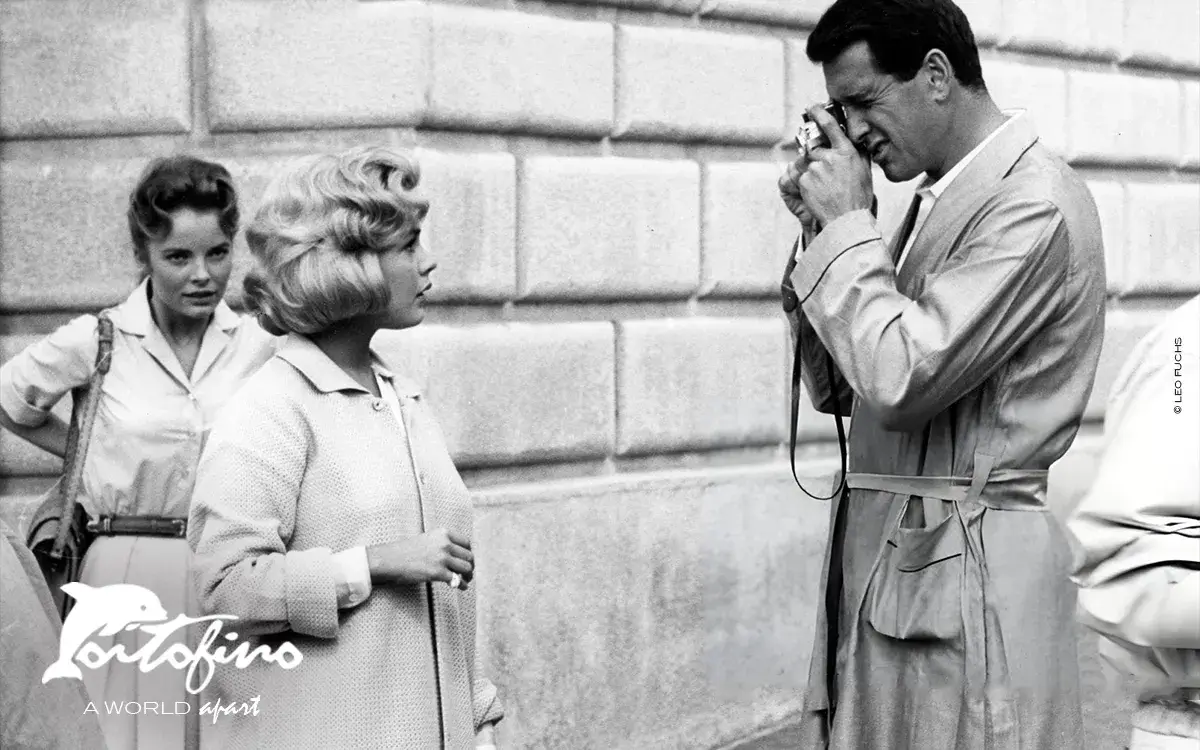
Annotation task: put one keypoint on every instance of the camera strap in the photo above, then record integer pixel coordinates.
(831, 375)
(834, 581)
(837, 419)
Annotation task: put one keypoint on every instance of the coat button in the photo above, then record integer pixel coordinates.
(377, 404)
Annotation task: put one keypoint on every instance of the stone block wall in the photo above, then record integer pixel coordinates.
(607, 355)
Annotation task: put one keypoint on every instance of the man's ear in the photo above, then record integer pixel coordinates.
(938, 74)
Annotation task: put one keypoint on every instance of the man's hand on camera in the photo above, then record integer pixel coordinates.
(789, 190)
(837, 179)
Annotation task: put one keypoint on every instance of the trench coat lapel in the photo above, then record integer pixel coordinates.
(939, 232)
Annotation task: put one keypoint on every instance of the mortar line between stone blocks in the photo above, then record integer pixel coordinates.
(701, 245)
(198, 68)
(618, 341)
(1069, 61)
(519, 283)
(617, 68)
(1183, 123)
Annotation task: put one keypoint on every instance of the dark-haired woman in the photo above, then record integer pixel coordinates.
(179, 353)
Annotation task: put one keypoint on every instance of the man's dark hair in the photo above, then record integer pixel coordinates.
(899, 34)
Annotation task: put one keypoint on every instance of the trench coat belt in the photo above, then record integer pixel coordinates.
(1009, 489)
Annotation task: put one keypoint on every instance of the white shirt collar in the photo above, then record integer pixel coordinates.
(934, 190)
(134, 316)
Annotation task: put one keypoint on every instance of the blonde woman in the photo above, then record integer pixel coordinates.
(328, 512)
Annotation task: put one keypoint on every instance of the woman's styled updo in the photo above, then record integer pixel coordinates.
(316, 237)
(174, 182)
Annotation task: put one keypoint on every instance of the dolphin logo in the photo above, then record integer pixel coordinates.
(108, 609)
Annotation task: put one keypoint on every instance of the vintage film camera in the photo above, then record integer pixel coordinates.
(810, 136)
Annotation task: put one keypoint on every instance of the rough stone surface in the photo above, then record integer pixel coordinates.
(747, 233)
(791, 13)
(1191, 123)
(1163, 31)
(698, 85)
(87, 68)
(525, 72)
(1038, 89)
(513, 393)
(1077, 27)
(699, 383)
(665, 611)
(1117, 117)
(1110, 203)
(65, 243)
(471, 225)
(1162, 247)
(608, 228)
(313, 63)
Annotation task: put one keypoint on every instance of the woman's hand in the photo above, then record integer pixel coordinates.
(485, 738)
(433, 556)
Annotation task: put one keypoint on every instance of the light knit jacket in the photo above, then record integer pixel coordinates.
(1138, 529)
(305, 463)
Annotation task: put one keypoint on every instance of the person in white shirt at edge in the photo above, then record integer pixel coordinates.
(327, 511)
(948, 617)
(1138, 533)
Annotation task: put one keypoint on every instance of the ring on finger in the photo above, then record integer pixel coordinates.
(455, 581)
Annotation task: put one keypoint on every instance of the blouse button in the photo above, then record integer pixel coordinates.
(377, 404)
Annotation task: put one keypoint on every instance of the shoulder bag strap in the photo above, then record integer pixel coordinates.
(83, 416)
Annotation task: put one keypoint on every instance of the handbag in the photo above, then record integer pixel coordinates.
(58, 534)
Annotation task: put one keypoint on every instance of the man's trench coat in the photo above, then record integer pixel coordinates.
(955, 621)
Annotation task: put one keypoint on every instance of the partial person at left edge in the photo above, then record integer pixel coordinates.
(34, 716)
(179, 352)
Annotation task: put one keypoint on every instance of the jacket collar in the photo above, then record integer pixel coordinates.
(997, 158)
(935, 188)
(327, 377)
(982, 173)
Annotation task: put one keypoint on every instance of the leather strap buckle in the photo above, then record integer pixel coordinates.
(100, 525)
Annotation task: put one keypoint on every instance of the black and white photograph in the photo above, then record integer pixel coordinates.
(599, 374)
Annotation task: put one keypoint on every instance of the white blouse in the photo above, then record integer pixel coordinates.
(153, 419)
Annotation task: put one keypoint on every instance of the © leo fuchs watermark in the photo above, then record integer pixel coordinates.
(1178, 375)
(107, 610)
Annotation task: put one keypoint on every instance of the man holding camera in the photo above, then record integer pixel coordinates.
(966, 350)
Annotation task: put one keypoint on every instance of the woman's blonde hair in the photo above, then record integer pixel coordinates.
(316, 237)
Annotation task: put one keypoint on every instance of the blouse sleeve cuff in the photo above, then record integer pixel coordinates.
(311, 593)
(487, 706)
(843, 233)
(19, 410)
(351, 577)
